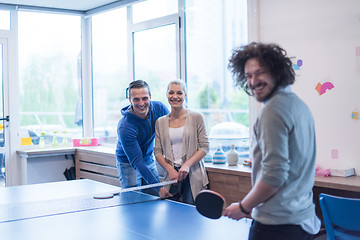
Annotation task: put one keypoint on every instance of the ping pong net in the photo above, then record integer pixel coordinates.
(22, 211)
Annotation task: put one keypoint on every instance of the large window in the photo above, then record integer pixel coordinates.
(155, 58)
(155, 37)
(213, 29)
(110, 77)
(50, 77)
(156, 54)
(152, 56)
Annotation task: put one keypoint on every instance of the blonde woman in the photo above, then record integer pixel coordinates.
(181, 143)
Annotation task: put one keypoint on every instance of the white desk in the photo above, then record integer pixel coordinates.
(47, 165)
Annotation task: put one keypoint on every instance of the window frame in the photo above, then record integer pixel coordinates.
(13, 166)
(179, 20)
(175, 18)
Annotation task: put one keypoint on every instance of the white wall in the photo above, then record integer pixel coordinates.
(324, 34)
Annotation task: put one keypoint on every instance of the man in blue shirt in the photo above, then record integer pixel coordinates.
(136, 133)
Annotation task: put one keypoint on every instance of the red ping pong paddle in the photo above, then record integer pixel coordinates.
(210, 204)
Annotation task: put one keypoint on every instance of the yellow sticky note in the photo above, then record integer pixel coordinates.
(354, 115)
(25, 141)
(1, 127)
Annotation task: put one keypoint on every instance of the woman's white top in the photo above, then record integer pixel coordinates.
(176, 138)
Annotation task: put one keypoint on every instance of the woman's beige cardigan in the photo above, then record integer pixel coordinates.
(194, 138)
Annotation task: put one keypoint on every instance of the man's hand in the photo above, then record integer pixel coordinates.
(233, 211)
(163, 193)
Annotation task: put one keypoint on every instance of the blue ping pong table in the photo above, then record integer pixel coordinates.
(68, 211)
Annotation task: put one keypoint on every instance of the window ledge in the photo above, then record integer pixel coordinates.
(32, 153)
(239, 170)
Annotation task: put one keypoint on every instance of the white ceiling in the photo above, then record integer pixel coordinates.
(77, 5)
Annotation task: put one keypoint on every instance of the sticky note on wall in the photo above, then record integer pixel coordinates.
(321, 88)
(297, 65)
(357, 51)
(25, 141)
(334, 154)
(355, 115)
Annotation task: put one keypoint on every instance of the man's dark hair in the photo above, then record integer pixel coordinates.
(137, 84)
(270, 56)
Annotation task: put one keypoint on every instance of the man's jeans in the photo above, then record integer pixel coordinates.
(129, 177)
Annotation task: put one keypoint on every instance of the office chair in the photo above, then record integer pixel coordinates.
(341, 217)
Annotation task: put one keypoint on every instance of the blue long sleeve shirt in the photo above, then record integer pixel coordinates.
(136, 139)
